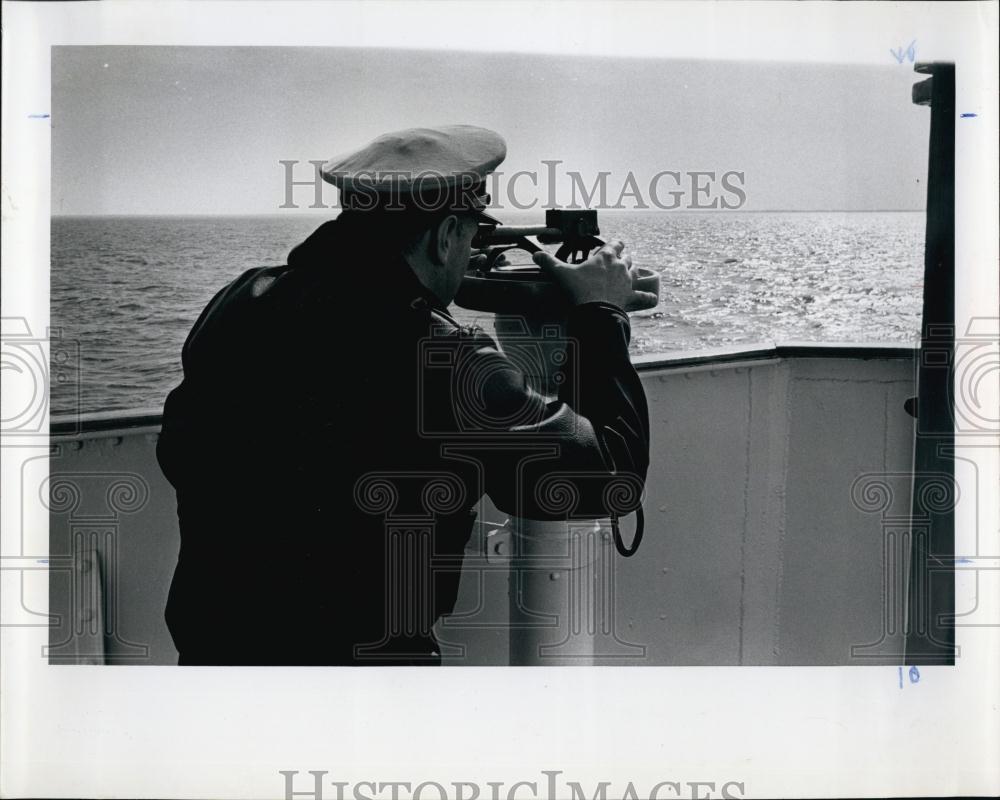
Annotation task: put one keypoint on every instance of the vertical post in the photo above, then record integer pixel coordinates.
(562, 587)
(548, 565)
(930, 631)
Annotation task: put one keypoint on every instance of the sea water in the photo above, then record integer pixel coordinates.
(128, 289)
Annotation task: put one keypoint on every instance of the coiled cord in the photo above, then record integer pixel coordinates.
(640, 524)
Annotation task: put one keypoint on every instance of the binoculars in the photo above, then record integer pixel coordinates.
(501, 288)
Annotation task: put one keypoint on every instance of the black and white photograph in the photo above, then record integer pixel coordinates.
(640, 394)
(369, 353)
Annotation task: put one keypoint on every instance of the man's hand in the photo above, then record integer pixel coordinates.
(605, 277)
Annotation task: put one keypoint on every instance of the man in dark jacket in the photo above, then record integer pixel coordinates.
(335, 427)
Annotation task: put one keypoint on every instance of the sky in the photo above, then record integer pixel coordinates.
(202, 130)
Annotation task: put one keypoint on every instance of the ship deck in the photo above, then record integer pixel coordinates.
(776, 473)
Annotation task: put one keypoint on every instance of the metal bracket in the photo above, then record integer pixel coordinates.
(498, 545)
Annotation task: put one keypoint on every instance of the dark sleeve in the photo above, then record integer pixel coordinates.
(584, 454)
(177, 443)
(188, 442)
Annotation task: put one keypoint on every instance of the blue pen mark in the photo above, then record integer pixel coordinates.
(968, 115)
(909, 53)
(42, 560)
(38, 116)
(914, 674)
(963, 560)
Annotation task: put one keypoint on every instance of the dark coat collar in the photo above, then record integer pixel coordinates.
(328, 244)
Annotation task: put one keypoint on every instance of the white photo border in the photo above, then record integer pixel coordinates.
(214, 732)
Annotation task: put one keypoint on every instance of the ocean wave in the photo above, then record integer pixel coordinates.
(724, 279)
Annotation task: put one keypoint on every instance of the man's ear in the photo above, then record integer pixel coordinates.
(444, 238)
